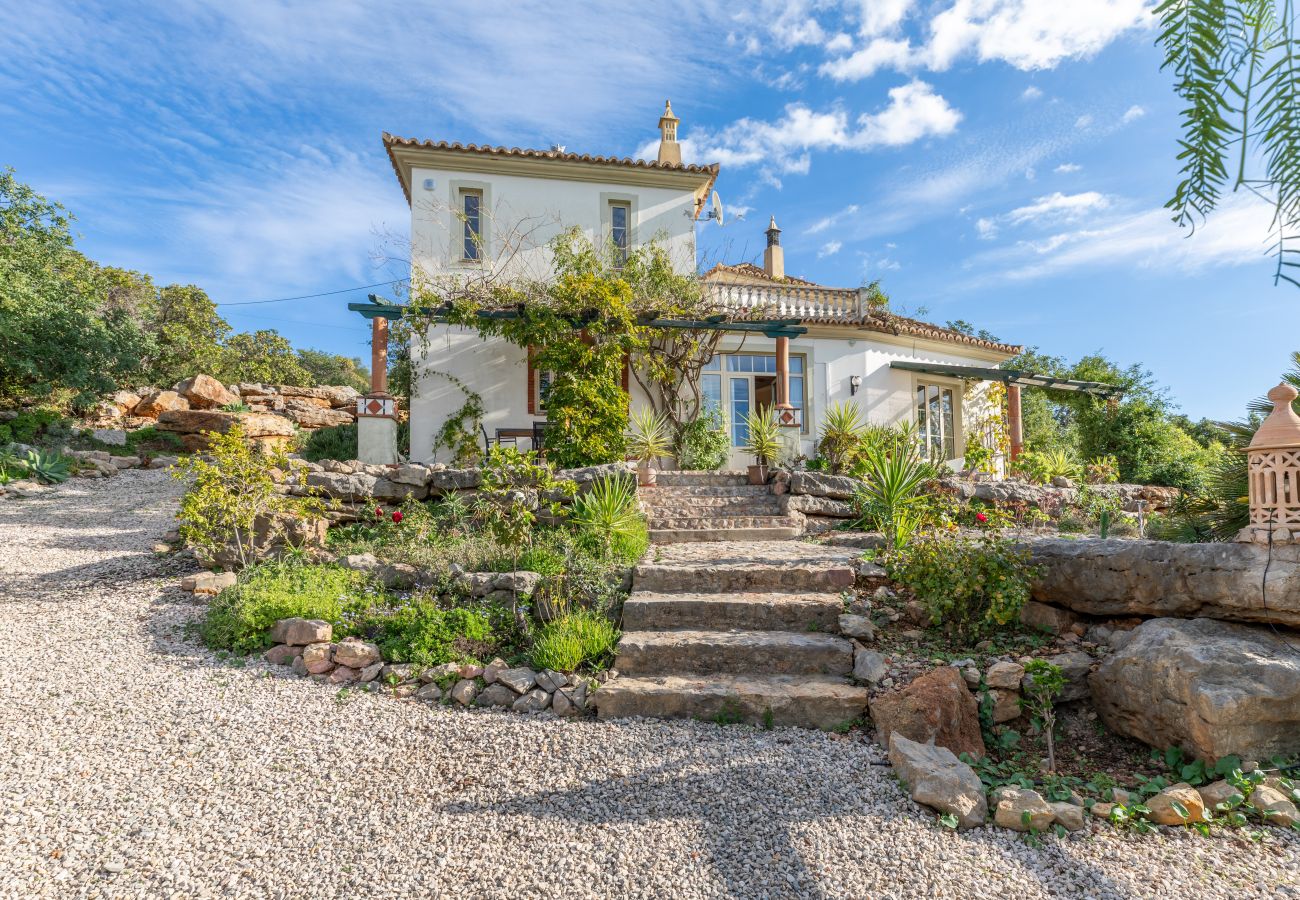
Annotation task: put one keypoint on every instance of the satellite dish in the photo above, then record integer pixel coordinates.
(716, 212)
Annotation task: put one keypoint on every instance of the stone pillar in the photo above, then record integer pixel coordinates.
(377, 411)
(1273, 462)
(1014, 426)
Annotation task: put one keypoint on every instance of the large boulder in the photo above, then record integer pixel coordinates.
(154, 403)
(1155, 578)
(262, 429)
(935, 708)
(205, 392)
(811, 505)
(121, 403)
(343, 487)
(449, 481)
(819, 484)
(1212, 688)
(306, 414)
(939, 780)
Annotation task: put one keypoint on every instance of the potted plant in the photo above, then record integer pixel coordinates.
(764, 442)
(647, 440)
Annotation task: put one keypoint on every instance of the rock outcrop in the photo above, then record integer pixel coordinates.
(1155, 578)
(937, 707)
(1213, 688)
(263, 429)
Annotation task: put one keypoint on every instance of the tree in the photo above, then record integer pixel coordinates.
(68, 332)
(187, 334)
(263, 356)
(1237, 64)
(330, 368)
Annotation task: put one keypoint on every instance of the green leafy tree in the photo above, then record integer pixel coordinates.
(333, 369)
(263, 356)
(69, 330)
(187, 334)
(1237, 65)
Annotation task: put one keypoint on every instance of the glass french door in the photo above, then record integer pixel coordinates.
(935, 421)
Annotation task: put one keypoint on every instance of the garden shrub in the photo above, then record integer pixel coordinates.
(702, 443)
(426, 634)
(578, 638)
(28, 425)
(336, 442)
(969, 585)
(240, 618)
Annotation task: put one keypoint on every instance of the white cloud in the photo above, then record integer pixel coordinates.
(839, 43)
(1067, 168)
(1058, 206)
(1031, 173)
(826, 222)
(1027, 34)
(914, 112)
(1084, 121)
(830, 248)
(1236, 234)
(986, 228)
(888, 264)
(1132, 114)
(1031, 93)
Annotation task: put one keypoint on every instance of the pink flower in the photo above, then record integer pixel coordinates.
(397, 516)
(981, 518)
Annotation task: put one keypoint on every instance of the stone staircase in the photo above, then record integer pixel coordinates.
(711, 506)
(737, 631)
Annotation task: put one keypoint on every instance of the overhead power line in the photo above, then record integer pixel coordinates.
(309, 296)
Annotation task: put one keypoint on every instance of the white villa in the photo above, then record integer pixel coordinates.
(475, 208)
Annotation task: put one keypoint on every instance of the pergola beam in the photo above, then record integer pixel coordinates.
(1011, 377)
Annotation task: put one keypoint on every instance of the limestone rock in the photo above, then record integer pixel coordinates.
(396, 491)
(535, 700)
(859, 627)
(1273, 805)
(342, 486)
(1047, 618)
(360, 562)
(521, 584)
(343, 675)
(939, 780)
(412, 474)
(371, 672)
(520, 680)
(549, 680)
(355, 653)
(493, 669)
(1068, 815)
(449, 481)
(205, 392)
(1156, 578)
(301, 632)
(208, 582)
(154, 403)
(122, 403)
(282, 654)
(570, 701)
(311, 415)
(397, 672)
(1075, 667)
(261, 429)
(316, 659)
(430, 692)
(1004, 675)
(1023, 810)
(496, 695)
(1006, 706)
(1163, 805)
(1213, 688)
(819, 484)
(817, 506)
(1219, 792)
(869, 666)
(937, 707)
(1102, 810)
(464, 691)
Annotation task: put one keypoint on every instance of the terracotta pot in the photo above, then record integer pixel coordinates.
(646, 474)
(758, 474)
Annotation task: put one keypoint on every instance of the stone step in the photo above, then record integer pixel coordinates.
(701, 479)
(645, 611)
(675, 492)
(697, 535)
(736, 652)
(686, 523)
(721, 577)
(804, 702)
(736, 504)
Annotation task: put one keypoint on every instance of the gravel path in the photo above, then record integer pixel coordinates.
(134, 764)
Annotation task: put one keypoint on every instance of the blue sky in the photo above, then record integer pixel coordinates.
(999, 161)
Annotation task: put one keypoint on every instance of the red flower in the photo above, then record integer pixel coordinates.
(379, 512)
(981, 518)
(397, 516)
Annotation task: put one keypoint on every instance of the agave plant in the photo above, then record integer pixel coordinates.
(764, 439)
(49, 467)
(609, 508)
(647, 440)
(841, 436)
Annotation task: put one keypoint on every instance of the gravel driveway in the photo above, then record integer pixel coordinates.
(135, 764)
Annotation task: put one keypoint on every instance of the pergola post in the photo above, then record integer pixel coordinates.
(377, 411)
(786, 413)
(1014, 426)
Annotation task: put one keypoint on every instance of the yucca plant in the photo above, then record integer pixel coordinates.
(841, 436)
(889, 499)
(607, 510)
(48, 466)
(647, 440)
(764, 441)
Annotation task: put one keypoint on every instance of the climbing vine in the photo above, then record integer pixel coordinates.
(459, 432)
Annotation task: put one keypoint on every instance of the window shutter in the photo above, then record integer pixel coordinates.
(532, 385)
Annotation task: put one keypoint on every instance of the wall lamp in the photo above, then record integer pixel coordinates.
(855, 382)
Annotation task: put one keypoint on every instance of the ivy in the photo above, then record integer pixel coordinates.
(460, 431)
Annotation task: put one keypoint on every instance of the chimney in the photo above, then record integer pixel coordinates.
(774, 256)
(670, 152)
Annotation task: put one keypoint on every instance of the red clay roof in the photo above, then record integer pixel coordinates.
(749, 270)
(391, 141)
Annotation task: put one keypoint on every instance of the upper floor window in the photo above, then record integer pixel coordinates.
(471, 208)
(620, 217)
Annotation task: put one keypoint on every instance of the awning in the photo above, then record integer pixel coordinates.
(1011, 376)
